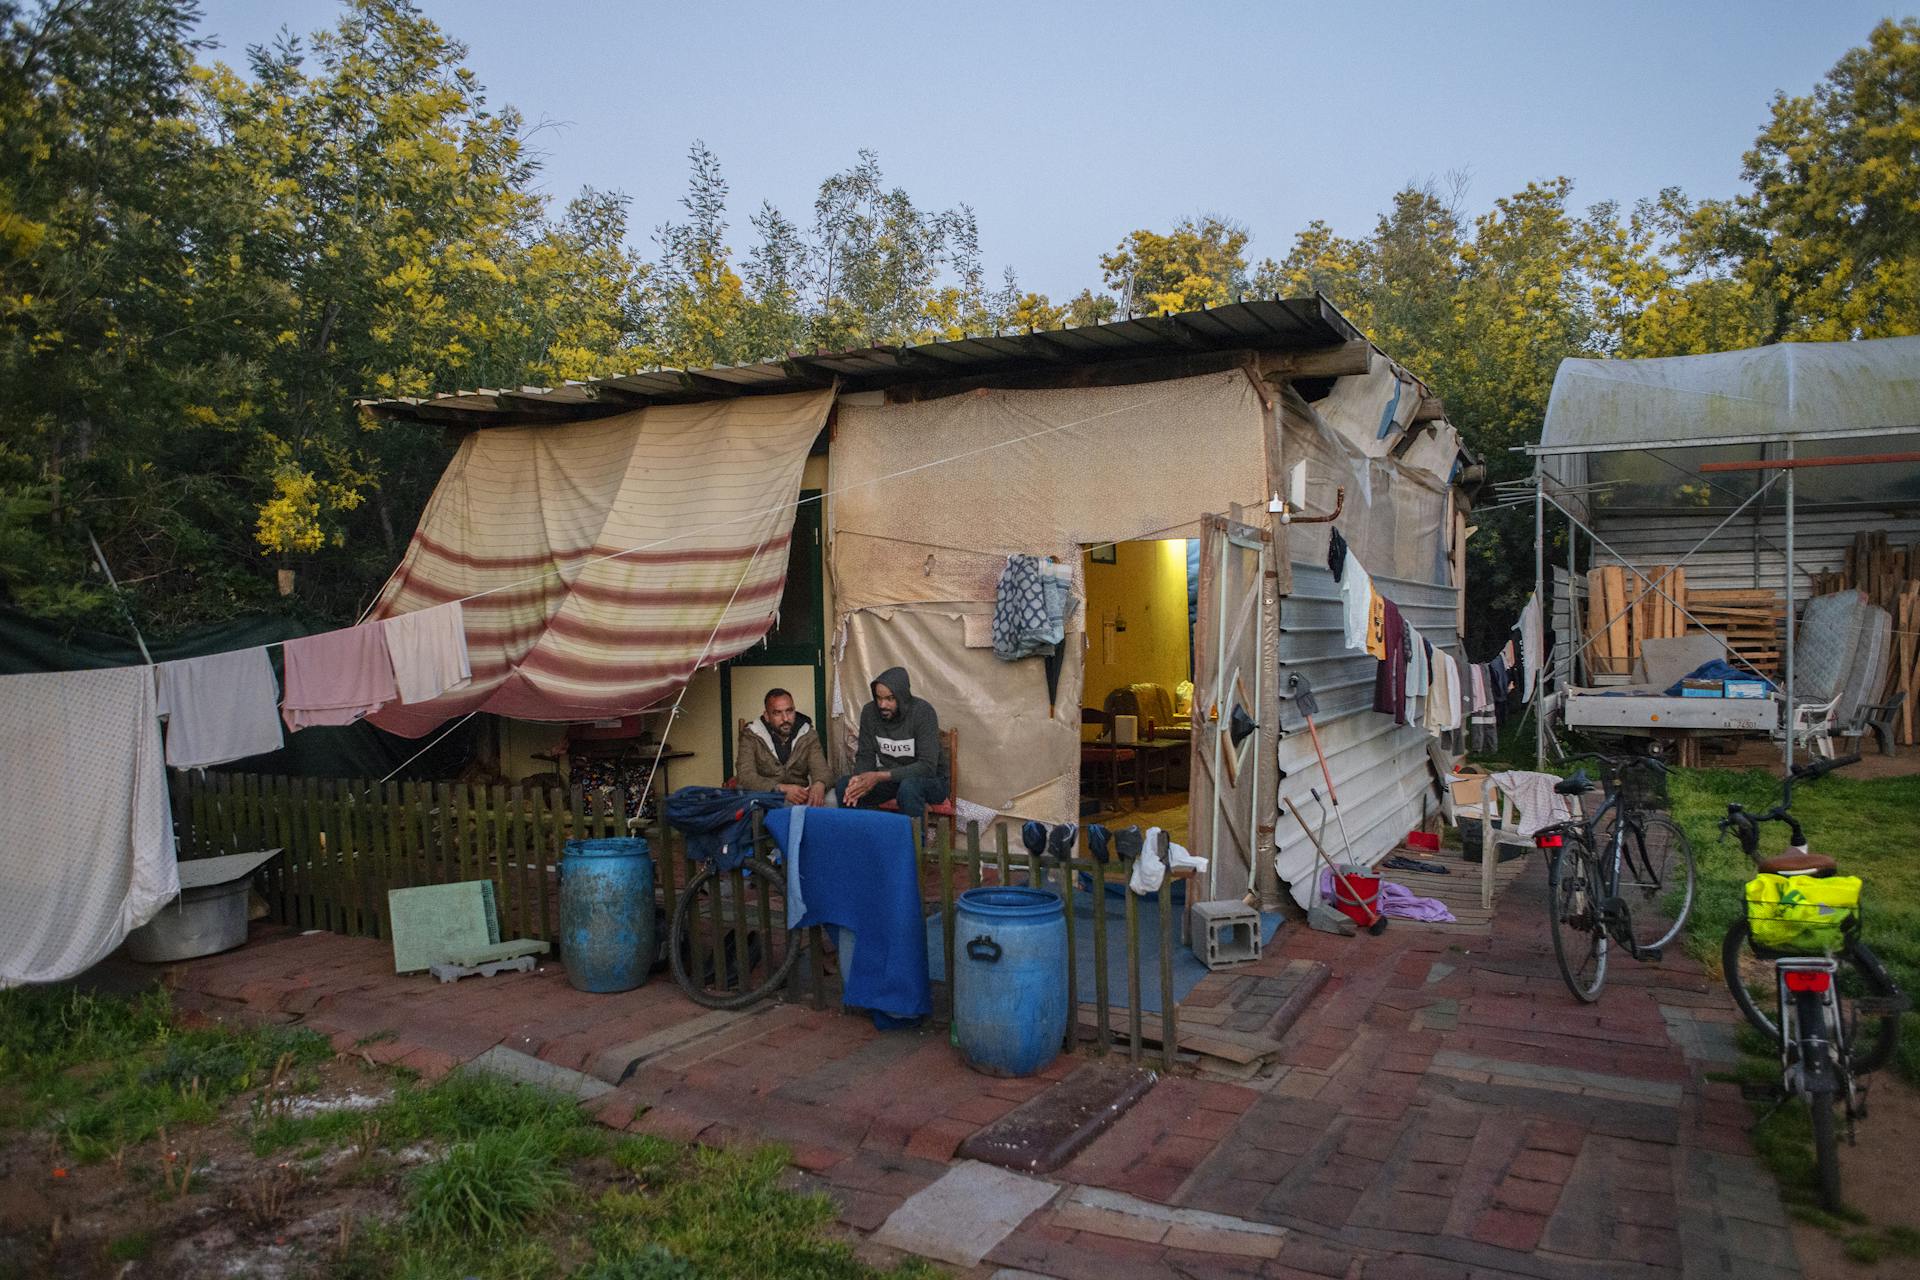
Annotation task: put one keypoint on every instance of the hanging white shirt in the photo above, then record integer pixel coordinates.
(1356, 603)
(1531, 644)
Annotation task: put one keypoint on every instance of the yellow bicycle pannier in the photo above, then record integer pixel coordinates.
(1801, 913)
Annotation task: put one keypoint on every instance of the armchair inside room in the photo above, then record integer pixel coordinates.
(1154, 705)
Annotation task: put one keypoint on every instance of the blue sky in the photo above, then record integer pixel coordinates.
(1066, 125)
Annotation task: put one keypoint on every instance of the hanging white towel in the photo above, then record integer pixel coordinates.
(86, 833)
(429, 651)
(1539, 805)
(224, 706)
(1150, 865)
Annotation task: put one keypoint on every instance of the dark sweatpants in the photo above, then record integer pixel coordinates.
(913, 795)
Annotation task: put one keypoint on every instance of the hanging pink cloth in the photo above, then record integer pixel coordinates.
(337, 677)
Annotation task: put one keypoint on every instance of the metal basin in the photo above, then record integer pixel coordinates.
(200, 922)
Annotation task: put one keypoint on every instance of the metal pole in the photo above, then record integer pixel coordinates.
(1573, 623)
(1790, 617)
(119, 596)
(1539, 597)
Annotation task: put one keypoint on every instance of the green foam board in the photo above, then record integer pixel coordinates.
(435, 922)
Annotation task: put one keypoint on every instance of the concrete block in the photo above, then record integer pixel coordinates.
(514, 1065)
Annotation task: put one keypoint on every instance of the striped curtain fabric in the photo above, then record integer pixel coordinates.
(598, 560)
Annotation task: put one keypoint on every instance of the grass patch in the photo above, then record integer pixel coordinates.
(104, 1072)
(1871, 827)
(499, 1203)
(490, 1186)
(132, 1247)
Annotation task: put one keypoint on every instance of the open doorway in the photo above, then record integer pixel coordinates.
(1137, 684)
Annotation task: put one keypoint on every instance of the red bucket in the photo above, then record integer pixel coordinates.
(1355, 895)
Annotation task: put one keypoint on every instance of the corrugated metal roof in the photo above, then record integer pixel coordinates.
(1289, 324)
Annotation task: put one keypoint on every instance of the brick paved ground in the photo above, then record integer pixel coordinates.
(1443, 1108)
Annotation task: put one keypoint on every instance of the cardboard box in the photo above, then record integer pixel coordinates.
(1746, 688)
(1703, 689)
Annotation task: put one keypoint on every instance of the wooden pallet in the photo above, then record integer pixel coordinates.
(1625, 608)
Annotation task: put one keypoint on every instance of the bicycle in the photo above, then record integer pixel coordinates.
(1826, 978)
(728, 960)
(1616, 886)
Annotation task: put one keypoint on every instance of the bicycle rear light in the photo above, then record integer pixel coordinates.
(1548, 840)
(1808, 980)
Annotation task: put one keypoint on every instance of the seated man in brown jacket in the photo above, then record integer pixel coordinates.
(781, 752)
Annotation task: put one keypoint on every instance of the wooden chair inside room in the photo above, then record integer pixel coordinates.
(1109, 766)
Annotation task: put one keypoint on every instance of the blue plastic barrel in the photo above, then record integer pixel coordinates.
(1010, 979)
(606, 913)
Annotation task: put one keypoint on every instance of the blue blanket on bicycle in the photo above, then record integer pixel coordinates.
(718, 821)
(854, 868)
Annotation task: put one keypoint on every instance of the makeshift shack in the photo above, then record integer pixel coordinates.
(683, 540)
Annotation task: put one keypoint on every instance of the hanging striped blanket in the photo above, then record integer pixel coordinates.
(598, 560)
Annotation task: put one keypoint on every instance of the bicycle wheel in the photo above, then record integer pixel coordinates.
(1657, 877)
(1871, 1035)
(1579, 938)
(730, 956)
(1810, 1011)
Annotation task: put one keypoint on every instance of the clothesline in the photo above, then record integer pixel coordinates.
(359, 681)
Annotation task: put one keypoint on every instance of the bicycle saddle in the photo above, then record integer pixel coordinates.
(1798, 862)
(1578, 785)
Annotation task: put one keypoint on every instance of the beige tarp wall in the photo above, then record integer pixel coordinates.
(930, 498)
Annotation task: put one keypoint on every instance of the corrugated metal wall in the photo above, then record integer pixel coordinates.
(1379, 767)
(1738, 556)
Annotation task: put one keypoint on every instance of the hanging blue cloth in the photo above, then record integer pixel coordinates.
(718, 821)
(855, 869)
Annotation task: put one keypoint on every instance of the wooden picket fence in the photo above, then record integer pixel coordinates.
(346, 842)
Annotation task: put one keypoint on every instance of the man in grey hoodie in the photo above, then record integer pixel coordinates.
(898, 755)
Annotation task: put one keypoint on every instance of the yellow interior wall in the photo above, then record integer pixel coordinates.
(1147, 588)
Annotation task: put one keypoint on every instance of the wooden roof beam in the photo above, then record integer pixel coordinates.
(1430, 410)
(1345, 360)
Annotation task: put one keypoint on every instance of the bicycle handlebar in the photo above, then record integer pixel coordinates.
(1621, 764)
(1813, 769)
(1746, 826)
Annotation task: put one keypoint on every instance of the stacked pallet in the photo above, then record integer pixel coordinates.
(1623, 609)
(1904, 676)
(1874, 566)
(1749, 621)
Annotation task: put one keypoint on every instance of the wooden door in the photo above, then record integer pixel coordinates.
(1232, 784)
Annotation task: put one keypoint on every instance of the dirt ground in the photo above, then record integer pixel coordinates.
(1877, 1180)
(1758, 753)
(282, 1215)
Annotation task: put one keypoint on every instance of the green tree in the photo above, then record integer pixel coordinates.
(105, 307)
(1828, 239)
(1200, 263)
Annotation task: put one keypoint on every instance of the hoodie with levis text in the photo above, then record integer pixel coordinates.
(907, 746)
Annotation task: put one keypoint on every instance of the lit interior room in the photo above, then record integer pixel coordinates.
(1138, 683)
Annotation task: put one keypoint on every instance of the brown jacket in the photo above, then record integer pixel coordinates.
(757, 767)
